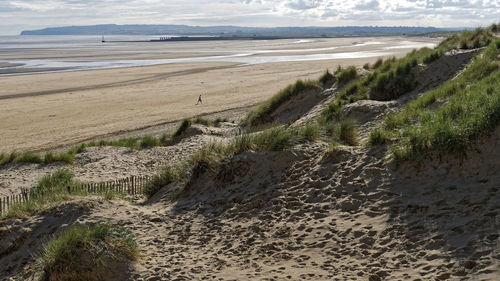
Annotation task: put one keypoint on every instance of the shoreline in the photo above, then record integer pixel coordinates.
(40, 112)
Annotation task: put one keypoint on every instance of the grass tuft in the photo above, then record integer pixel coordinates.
(346, 75)
(185, 124)
(149, 141)
(164, 178)
(87, 252)
(377, 137)
(348, 133)
(326, 79)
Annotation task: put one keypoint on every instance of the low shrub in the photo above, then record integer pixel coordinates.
(469, 108)
(29, 157)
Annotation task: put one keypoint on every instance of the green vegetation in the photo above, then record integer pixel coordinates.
(164, 178)
(394, 77)
(347, 132)
(8, 158)
(185, 124)
(432, 56)
(450, 118)
(475, 39)
(326, 79)
(377, 137)
(87, 252)
(346, 75)
(276, 138)
(30, 157)
(50, 190)
(262, 114)
(137, 143)
(378, 63)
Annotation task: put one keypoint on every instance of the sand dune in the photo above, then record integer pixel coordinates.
(307, 213)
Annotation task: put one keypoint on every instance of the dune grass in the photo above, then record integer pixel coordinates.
(326, 78)
(209, 157)
(185, 124)
(262, 114)
(394, 77)
(136, 143)
(377, 137)
(87, 252)
(346, 75)
(450, 118)
(475, 39)
(50, 190)
(169, 174)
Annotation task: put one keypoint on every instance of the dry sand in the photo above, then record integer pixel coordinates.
(305, 214)
(46, 111)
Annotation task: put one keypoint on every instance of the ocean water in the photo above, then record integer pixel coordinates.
(20, 55)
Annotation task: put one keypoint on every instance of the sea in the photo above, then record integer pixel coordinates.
(22, 55)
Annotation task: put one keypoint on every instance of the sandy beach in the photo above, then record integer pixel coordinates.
(308, 212)
(51, 110)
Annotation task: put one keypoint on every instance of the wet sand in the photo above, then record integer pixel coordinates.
(46, 111)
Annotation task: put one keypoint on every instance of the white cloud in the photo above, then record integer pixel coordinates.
(32, 14)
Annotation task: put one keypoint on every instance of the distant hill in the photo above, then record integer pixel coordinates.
(113, 29)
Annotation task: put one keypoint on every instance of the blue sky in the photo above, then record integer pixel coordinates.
(18, 15)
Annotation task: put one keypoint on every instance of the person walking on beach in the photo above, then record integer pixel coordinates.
(199, 100)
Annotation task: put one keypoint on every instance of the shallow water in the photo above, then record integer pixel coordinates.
(40, 54)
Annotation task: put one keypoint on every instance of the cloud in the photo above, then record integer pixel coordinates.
(33, 14)
(303, 4)
(367, 6)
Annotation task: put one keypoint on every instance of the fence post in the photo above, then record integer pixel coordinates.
(133, 185)
(1, 207)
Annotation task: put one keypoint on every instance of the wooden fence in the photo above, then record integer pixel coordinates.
(131, 185)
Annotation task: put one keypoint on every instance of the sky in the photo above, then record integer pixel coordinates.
(18, 15)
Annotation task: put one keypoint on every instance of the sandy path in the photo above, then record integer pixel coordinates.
(314, 216)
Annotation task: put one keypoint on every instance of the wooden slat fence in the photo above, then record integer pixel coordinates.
(131, 185)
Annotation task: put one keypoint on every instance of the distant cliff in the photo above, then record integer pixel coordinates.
(113, 29)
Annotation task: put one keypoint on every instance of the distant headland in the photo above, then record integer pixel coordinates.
(237, 31)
